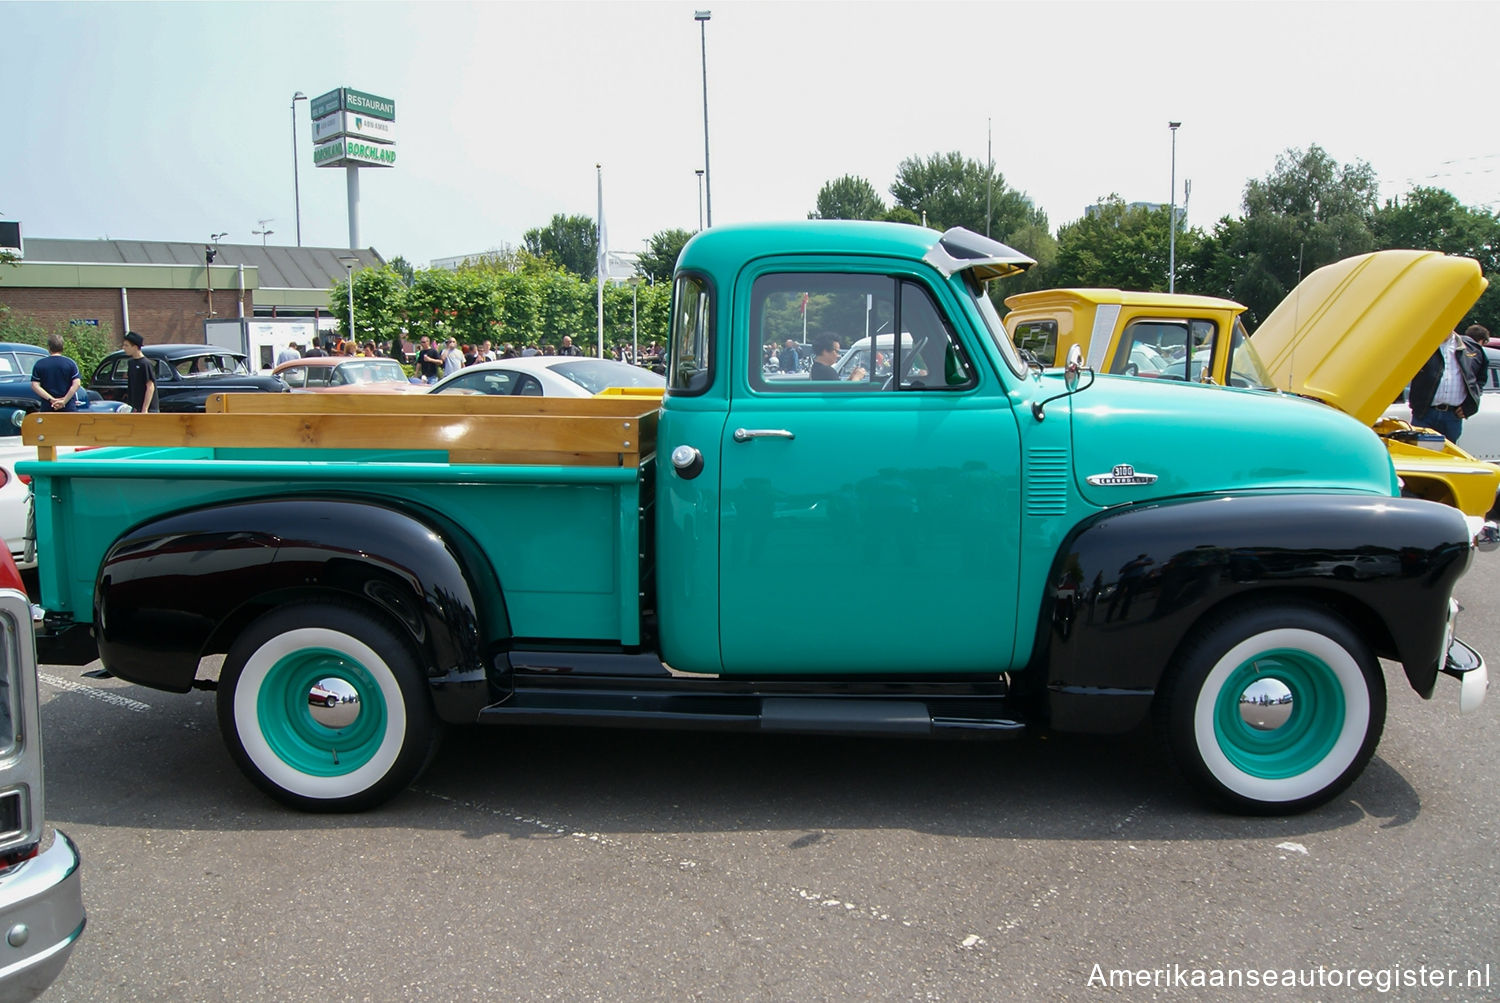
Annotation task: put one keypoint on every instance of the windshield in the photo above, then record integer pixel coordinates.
(211, 365)
(596, 375)
(1245, 367)
(992, 320)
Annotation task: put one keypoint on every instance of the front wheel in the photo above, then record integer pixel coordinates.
(1273, 710)
(324, 708)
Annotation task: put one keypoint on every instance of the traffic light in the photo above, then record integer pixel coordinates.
(209, 254)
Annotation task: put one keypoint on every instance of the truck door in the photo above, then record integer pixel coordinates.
(869, 523)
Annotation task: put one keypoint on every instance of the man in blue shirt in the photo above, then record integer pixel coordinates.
(56, 378)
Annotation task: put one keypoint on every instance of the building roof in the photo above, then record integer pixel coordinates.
(279, 267)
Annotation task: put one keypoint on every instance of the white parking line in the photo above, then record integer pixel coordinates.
(114, 699)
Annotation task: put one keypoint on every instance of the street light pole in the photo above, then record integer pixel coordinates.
(349, 261)
(209, 254)
(1172, 220)
(296, 184)
(702, 17)
(700, 198)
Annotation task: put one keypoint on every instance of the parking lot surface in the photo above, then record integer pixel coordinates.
(590, 865)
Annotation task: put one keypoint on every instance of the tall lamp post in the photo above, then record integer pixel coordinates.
(296, 186)
(349, 261)
(1172, 219)
(209, 254)
(702, 17)
(700, 198)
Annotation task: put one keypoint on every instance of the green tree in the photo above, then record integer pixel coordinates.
(570, 241)
(953, 190)
(403, 268)
(848, 197)
(662, 251)
(1117, 246)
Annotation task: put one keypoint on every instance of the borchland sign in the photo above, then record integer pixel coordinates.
(347, 151)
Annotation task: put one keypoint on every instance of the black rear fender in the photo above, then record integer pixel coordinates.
(1129, 586)
(174, 589)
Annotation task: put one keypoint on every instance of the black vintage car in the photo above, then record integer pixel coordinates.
(185, 376)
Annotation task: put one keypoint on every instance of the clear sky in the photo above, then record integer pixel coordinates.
(169, 121)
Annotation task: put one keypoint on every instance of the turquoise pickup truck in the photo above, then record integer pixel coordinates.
(953, 544)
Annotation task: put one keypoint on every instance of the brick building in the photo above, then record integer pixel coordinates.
(162, 288)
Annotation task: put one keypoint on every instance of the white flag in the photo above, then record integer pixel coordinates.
(603, 266)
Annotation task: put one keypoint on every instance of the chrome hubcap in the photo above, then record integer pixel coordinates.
(1266, 704)
(333, 703)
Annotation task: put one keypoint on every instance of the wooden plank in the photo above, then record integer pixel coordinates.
(332, 403)
(509, 438)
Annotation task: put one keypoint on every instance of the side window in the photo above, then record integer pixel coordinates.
(295, 376)
(317, 376)
(1039, 337)
(1245, 369)
(164, 371)
(1165, 349)
(120, 372)
(527, 386)
(690, 362)
(838, 331)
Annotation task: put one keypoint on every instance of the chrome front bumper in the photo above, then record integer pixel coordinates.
(41, 917)
(1467, 666)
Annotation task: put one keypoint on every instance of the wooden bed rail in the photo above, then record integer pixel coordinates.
(595, 431)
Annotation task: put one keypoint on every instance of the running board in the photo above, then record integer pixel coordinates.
(840, 715)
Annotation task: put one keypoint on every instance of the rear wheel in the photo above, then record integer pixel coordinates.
(1273, 710)
(324, 708)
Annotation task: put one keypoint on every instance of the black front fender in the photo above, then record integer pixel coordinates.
(176, 588)
(1130, 584)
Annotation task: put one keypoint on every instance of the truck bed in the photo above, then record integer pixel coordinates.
(554, 492)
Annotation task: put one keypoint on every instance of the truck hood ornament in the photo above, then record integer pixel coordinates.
(1122, 475)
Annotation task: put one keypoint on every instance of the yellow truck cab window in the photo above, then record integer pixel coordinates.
(821, 332)
(1245, 368)
(1166, 349)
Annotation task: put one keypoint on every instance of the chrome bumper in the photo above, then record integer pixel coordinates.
(1467, 666)
(41, 916)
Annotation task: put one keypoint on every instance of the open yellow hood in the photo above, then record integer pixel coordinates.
(1353, 333)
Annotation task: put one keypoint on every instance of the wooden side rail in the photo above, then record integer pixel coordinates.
(471, 437)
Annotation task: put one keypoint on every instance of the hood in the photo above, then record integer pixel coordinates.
(1199, 438)
(1353, 333)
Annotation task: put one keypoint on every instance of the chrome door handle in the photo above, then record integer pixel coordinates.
(746, 434)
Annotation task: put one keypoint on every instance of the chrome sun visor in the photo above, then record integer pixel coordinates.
(960, 249)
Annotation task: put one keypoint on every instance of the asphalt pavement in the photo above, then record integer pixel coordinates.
(533, 864)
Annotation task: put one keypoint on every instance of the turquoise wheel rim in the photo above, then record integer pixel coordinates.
(1309, 734)
(300, 741)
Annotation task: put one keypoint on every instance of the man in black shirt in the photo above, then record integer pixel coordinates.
(429, 360)
(140, 381)
(56, 378)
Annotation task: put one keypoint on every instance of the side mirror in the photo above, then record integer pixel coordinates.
(1073, 366)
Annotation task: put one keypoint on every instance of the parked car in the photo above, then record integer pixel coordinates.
(345, 374)
(185, 376)
(41, 885)
(547, 376)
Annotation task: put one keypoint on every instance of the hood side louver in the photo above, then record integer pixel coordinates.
(1046, 483)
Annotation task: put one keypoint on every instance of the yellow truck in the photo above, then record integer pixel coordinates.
(1351, 335)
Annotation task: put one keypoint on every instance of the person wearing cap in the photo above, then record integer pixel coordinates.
(140, 381)
(56, 378)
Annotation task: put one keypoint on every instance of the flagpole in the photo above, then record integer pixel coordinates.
(603, 269)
